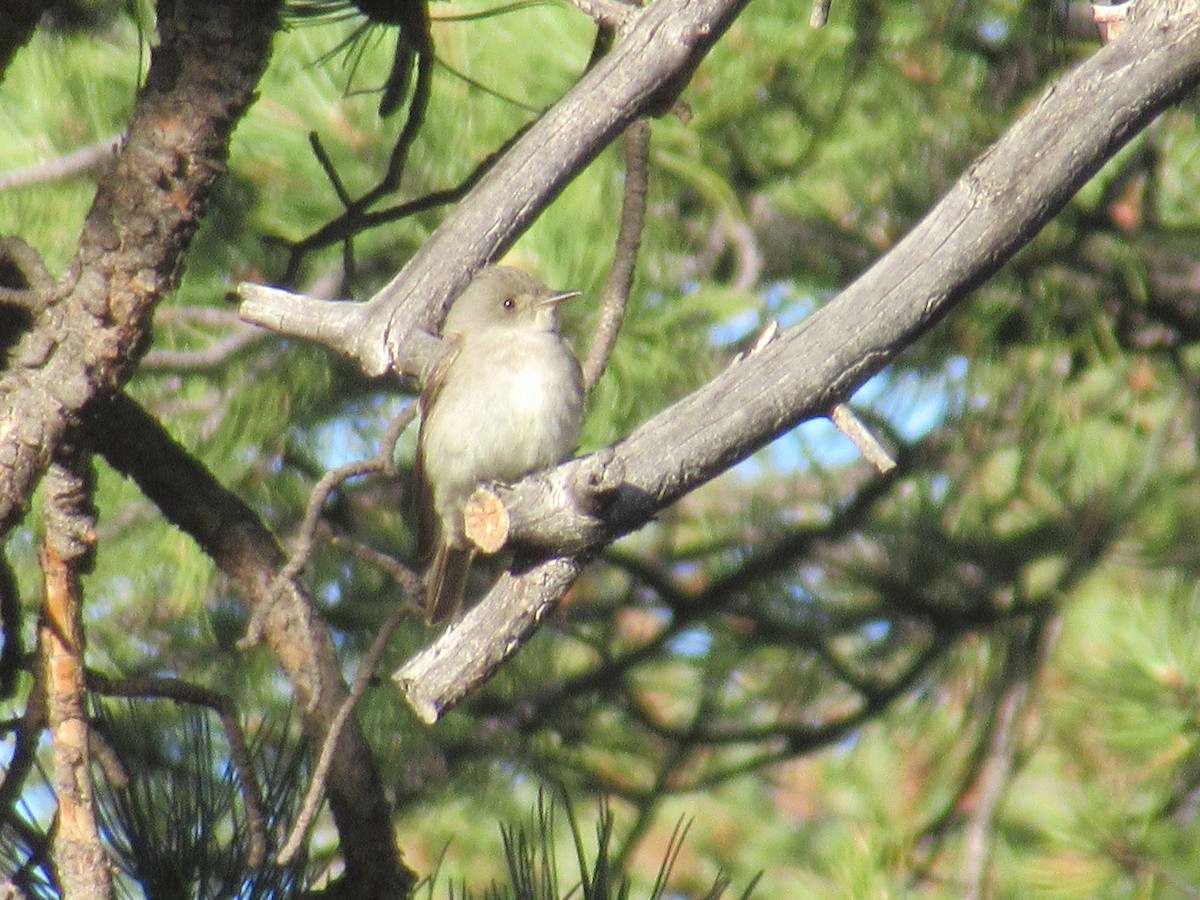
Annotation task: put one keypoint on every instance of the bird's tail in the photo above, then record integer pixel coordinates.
(445, 581)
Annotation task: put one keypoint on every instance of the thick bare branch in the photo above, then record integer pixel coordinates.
(1085, 118)
(649, 65)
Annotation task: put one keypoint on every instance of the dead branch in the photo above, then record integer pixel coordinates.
(615, 294)
(1079, 123)
(83, 159)
(80, 861)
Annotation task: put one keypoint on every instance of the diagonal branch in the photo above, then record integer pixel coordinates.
(1080, 122)
(651, 62)
(131, 250)
(239, 543)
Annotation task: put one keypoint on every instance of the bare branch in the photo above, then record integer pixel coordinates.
(615, 293)
(80, 160)
(968, 235)
(366, 672)
(216, 354)
(383, 461)
(24, 752)
(849, 424)
(80, 860)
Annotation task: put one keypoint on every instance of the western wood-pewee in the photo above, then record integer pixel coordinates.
(504, 399)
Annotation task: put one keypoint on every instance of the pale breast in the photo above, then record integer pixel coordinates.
(527, 398)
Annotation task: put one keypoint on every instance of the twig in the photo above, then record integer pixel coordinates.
(366, 671)
(306, 539)
(615, 293)
(86, 157)
(352, 220)
(381, 462)
(868, 445)
(819, 14)
(215, 354)
(400, 573)
(239, 754)
(1028, 648)
(24, 753)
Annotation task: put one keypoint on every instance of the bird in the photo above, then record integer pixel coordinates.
(504, 398)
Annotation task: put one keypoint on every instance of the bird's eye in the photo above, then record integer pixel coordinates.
(509, 303)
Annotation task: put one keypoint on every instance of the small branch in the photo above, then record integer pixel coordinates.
(80, 861)
(615, 293)
(239, 754)
(467, 653)
(408, 580)
(849, 424)
(24, 753)
(383, 461)
(1027, 648)
(216, 354)
(366, 672)
(819, 14)
(86, 157)
(352, 222)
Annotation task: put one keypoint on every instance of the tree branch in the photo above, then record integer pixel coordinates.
(248, 554)
(662, 45)
(67, 551)
(146, 209)
(615, 293)
(1079, 123)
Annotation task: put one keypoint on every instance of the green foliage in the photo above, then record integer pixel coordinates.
(807, 661)
(534, 871)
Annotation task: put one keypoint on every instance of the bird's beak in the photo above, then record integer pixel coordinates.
(555, 299)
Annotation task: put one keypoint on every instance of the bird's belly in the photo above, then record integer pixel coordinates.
(527, 418)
